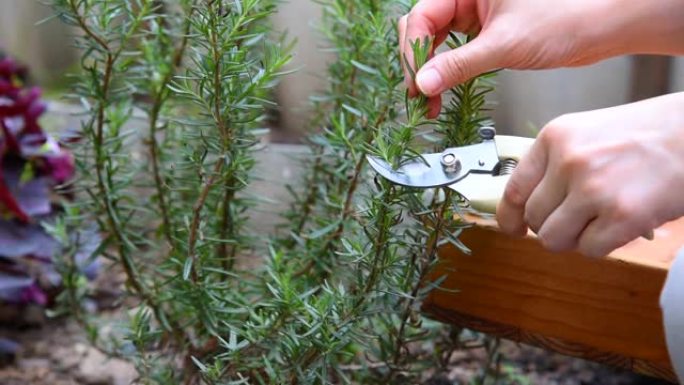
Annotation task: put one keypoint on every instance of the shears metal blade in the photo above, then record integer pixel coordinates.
(440, 169)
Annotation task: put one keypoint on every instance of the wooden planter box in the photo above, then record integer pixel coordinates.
(602, 309)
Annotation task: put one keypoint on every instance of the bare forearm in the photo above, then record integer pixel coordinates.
(534, 34)
(636, 27)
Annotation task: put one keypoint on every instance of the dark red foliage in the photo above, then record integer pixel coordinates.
(31, 163)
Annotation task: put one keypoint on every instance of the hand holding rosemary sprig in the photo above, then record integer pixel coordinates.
(571, 188)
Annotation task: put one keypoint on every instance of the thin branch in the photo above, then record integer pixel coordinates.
(310, 199)
(380, 251)
(226, 139)
(110, 209)
(84, 26)
(197, 215)
(349, 198)
(227, 228)
(159, 99)
(426, 262)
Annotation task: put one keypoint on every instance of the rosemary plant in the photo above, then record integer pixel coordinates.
(376, 240)
(176, 94)
(198, 75)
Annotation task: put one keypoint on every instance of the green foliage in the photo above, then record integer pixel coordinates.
(378, 239)
(176, 94)
(466, 110)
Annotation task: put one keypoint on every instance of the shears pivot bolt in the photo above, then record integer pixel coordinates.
(450, 162)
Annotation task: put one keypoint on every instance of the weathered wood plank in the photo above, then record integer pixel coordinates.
(603, 309)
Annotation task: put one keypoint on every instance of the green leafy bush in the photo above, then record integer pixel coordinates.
(336, 298)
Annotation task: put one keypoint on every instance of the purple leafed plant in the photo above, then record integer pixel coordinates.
(31, 164)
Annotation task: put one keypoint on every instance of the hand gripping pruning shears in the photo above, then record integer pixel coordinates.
(478, 172)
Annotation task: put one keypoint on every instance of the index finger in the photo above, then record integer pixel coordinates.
(510, 212)
(428, 18)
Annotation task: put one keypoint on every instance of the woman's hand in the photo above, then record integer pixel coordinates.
(595, 180)
(534, 34)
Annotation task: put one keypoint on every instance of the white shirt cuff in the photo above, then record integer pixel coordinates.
(672, 303)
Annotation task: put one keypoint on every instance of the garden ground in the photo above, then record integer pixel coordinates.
(56, 352)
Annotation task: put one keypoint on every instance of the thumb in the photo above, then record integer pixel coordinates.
(454, 67)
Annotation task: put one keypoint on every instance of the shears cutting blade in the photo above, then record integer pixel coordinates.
(444, 168)
(426, 170)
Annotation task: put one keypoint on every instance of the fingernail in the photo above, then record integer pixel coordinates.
(429, 81)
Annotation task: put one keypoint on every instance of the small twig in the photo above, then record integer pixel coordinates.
(349, 198)
(225, 133)
(197, 215)
(310, 199)
(369, 365)
(159, 99)
(227, 228)
(110, 209)
(380, 250)
(426, 262)
(84, 26)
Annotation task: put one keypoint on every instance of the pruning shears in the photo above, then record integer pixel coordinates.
(478, 172)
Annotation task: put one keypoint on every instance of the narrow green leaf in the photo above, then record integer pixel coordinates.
(365, 68)
(323, 230)
(187, 268)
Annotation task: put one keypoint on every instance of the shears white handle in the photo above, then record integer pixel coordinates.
(484, 191)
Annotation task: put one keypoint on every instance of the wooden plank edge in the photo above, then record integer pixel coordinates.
(496, 329)
(669, 238)
(653, 257)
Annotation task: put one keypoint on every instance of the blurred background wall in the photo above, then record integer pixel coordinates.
(525, 99)
(46, 48)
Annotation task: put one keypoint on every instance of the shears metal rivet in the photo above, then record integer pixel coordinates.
(450, 162)
(487, 133)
